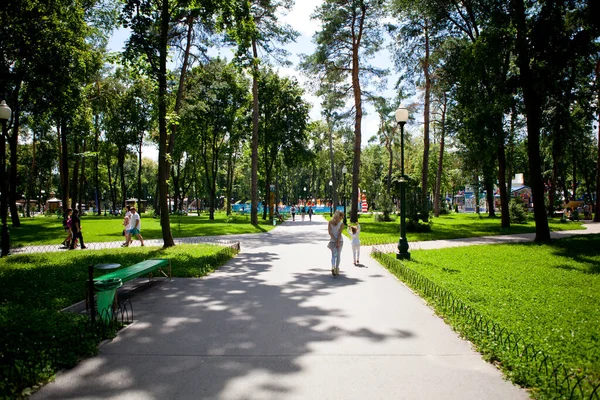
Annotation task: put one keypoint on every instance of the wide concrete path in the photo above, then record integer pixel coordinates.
(274, 324)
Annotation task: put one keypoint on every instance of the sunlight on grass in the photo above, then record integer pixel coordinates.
(49, 230)
(451, 226)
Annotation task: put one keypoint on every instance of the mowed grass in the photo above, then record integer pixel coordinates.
(49, 230)
(451, 226)
(56, 280)
(549, 294)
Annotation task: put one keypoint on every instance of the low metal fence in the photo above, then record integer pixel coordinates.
(115, 245)
(556, 379)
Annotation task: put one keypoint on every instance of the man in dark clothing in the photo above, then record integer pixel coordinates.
(76, 227)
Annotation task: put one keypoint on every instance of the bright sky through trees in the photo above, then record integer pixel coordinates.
(299, 19)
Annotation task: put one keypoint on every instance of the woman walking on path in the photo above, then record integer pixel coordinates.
(67, 225)
(135, 225)
(354, 232)
(76, 229)
(336, 243)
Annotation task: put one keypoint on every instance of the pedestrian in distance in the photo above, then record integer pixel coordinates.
(336, 242)
(135, 226)
(354, 232)
(76, 231)
(303, 212)
(126, 220)
(67, 227)
(293, 213)
(310, 213)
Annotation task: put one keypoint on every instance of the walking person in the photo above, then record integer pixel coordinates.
(303, 212)
(310, 213)
(135, 225)
(67, 226)
(126, 220)
(336, 242)
(76, 231)
(354, 232)
(293, 213)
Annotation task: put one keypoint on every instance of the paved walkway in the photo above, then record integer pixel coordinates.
(274, 324)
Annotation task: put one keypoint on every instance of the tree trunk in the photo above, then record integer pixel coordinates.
(597, 214)
(489, 194)
(229, 184)
(97, 160)
(331, 194)
(121, 160)
(30, 176)
(82, 179)
(74, 184)
(139, 180)
(64, 165)
(438, 178)
(163, 155)
(13, 141)
(426, 119)
(254, 144)
(357, 36)
(533, 104)
(504, 213)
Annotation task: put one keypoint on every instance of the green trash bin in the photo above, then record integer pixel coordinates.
(106, 290)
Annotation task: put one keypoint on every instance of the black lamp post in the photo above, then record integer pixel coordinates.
(331, 203)
(5, 113)
(344, 170)
(401, 118)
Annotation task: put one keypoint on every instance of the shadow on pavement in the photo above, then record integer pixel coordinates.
(204, 338)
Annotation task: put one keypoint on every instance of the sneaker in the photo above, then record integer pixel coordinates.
(337, 271)
(124, 245)
(84, 247)
(332, 271)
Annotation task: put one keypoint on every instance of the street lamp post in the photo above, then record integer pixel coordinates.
(331, 202)
(344, 170)
(401, 118)
(5, 113)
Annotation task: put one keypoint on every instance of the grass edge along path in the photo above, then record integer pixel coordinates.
(38, 339)
(525, 363)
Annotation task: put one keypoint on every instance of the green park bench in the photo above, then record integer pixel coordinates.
(106, 285)
(136, 270)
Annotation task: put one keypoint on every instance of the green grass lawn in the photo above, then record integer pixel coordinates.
(49, 230)
(451, 226)
(548, 294)
(38, 339)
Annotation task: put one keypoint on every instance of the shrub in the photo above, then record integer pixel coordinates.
(418, 227)
(517, 211)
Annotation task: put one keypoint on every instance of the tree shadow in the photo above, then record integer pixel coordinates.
(247, 327)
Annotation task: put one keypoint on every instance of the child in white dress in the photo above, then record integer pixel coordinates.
(354, 232)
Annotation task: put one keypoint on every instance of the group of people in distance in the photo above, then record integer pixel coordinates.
(72, 226)
(336, 243)
(132, 224)
(303, 211)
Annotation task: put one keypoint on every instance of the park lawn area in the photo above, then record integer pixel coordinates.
(450, 226)
(49, 230)
(548, 294)
(34, 287)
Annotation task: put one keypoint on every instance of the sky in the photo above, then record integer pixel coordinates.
(299, 19)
